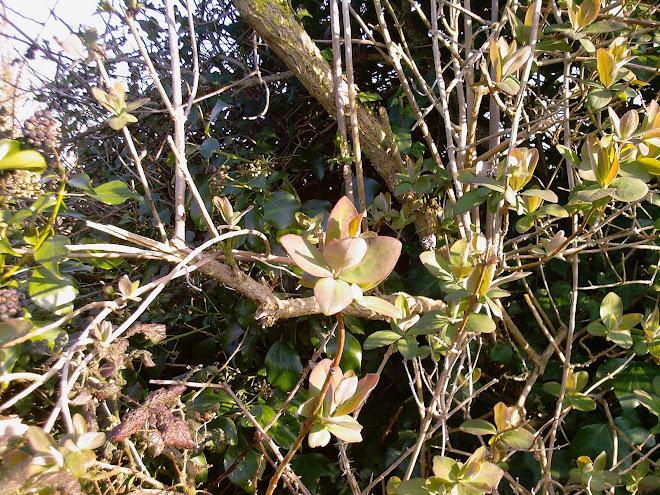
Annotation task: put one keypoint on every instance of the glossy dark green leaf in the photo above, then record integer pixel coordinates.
(351, 358)
(283, 365)
(591, 440)
(471, 199)
(280, 209)
(635, 376)
(408, 347)
(247, 469)
(209, 146)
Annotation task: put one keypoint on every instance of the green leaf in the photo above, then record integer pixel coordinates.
(280, 210)
(581, 402)
(311, 467)
(380, 306)
(635, 376)
(12, 158)
(479, 323)
(408, 347)
(52, 292)
(332, 295)
(611, 306)
(544, 194)
(305, 255)
(599, 98)
(628, 189)
(380, 339)
(478, 427)
(381, 258)
(366, 97)
(652, 165)
(209, 146)
(471, 199)
(51, 252)
(301, 13)
(552, 210)
(591, 440)
(113, 193)
(351, 358)
(247, 469)
(602, 27)
(283, 366)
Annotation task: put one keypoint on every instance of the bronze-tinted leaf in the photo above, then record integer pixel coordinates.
(343, 254)
(332, 295)
(377, 264)
(305, 255)
(364, 388)
(340, 218)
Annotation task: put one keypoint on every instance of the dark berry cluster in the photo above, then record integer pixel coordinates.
(42, 130)
(11, 304)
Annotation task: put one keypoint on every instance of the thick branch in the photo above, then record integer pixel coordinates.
(276, 23)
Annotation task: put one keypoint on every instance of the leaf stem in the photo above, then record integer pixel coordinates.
(272, 485)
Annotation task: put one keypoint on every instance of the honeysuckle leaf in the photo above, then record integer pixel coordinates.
(343, 254)
(607, 67)
(445, 468)
(380, 306)
(611, 305)
(345, 391)
(478, 427)
(381, 338)
(305, 255)
(377, 264)
(479, 323)
(318, 374)
(332, 295)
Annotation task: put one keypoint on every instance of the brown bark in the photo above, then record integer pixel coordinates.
(278, 26)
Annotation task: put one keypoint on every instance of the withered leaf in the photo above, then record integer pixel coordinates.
(132, 422)
(155, 332)
(174, 431)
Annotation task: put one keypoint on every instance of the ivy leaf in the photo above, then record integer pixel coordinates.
(113, 193)
(635, 376)
(247, 469)
(280, 209)
(283, 366)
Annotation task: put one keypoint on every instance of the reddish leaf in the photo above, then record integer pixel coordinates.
(340, 218)
(305, 255)
(343, 254)
(364, 388)
(377, 264)
(332, 295)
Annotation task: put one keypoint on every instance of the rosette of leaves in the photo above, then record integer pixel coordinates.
(115, 102)
(613, 324)
(345, 394)
(469, 271)
(651, 401)
(592, 474)
(530, 206)
(74, 451)
(345, 263)
(575, 382)
(399, 333)
(508, 432)
(507, 60)
(639, 479)
(473, 477)
(649, 341)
